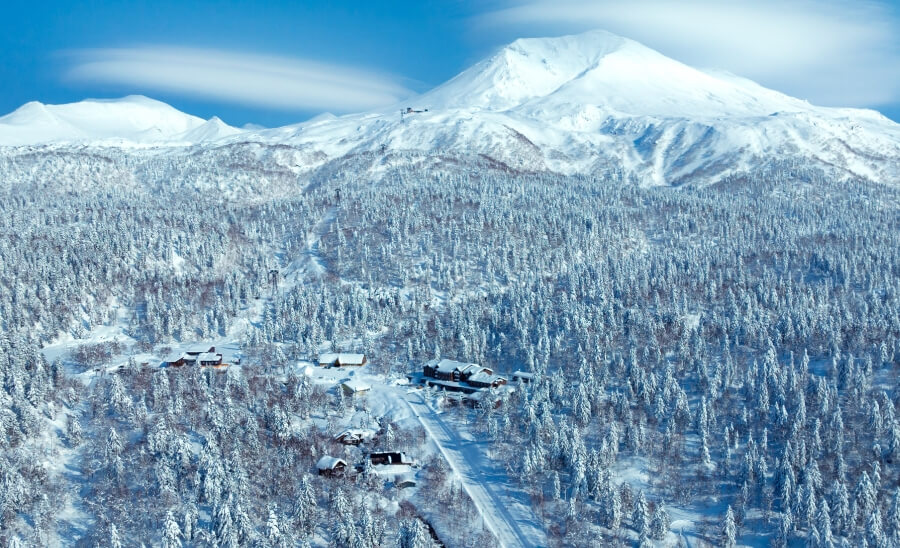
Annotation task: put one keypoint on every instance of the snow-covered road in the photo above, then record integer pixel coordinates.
(508, 517)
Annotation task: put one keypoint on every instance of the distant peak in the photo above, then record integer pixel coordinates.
(604, 73)
(31, 106)
(32, 112)
(134, 118)
(529, 68)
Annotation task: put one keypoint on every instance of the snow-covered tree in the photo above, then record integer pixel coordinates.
(729, 529)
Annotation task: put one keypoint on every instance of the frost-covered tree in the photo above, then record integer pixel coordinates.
(171, 531)
(640, 514)
(659, 522)
(729, 529)
(413, 534)
(114, 540)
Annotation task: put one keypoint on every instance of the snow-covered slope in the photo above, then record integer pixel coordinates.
(596, 102)
(603, 70)
(135, 119)
(589, 103)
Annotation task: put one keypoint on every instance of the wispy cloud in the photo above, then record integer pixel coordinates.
(836, 52)
(248, 79)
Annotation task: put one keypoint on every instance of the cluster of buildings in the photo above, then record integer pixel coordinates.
(457, 376)
(391, 464)
(202, 355)
(474, 384)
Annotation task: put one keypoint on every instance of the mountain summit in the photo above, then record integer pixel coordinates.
(605, 71)
(593, 103)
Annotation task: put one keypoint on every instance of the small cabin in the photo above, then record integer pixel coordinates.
(174, 360)
(354, 387)
(522, 377)
(354, 436)
(202, 355)
(342, 360)
(209, 359)
(331, 466)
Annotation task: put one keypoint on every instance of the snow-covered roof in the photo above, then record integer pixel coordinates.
(356, 385)
(343, 358)
(198, 348)
(209, 357)
(449, 366)
(523, 375)
(393, 470)
(472, 369)
(329, 463)
(484, 377)
(360, 433)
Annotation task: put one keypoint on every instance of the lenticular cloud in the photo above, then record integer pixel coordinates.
(831, 52)
(249, 79)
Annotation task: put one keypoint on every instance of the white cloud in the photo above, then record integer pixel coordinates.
(832, 52)
(248, 79)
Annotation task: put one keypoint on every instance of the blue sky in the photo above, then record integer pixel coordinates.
(274, 63)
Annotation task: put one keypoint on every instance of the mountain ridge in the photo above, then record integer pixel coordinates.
(573, 104)
(134, 118)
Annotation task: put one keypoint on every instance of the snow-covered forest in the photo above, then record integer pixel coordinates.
(715, 366)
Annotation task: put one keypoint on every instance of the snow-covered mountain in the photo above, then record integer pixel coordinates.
(132, 119)
(589, 103)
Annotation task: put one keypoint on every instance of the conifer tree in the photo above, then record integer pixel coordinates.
(660, 522)
(639, 514)
(171, 531)
(729, 530)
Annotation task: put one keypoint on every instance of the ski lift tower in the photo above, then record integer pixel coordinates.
(274, 275)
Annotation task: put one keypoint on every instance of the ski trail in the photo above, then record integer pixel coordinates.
(313, 257)
(311, 261)
(468, 464)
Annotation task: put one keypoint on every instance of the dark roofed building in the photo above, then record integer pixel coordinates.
(331, 466)
(459, 372)
(342, 360)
